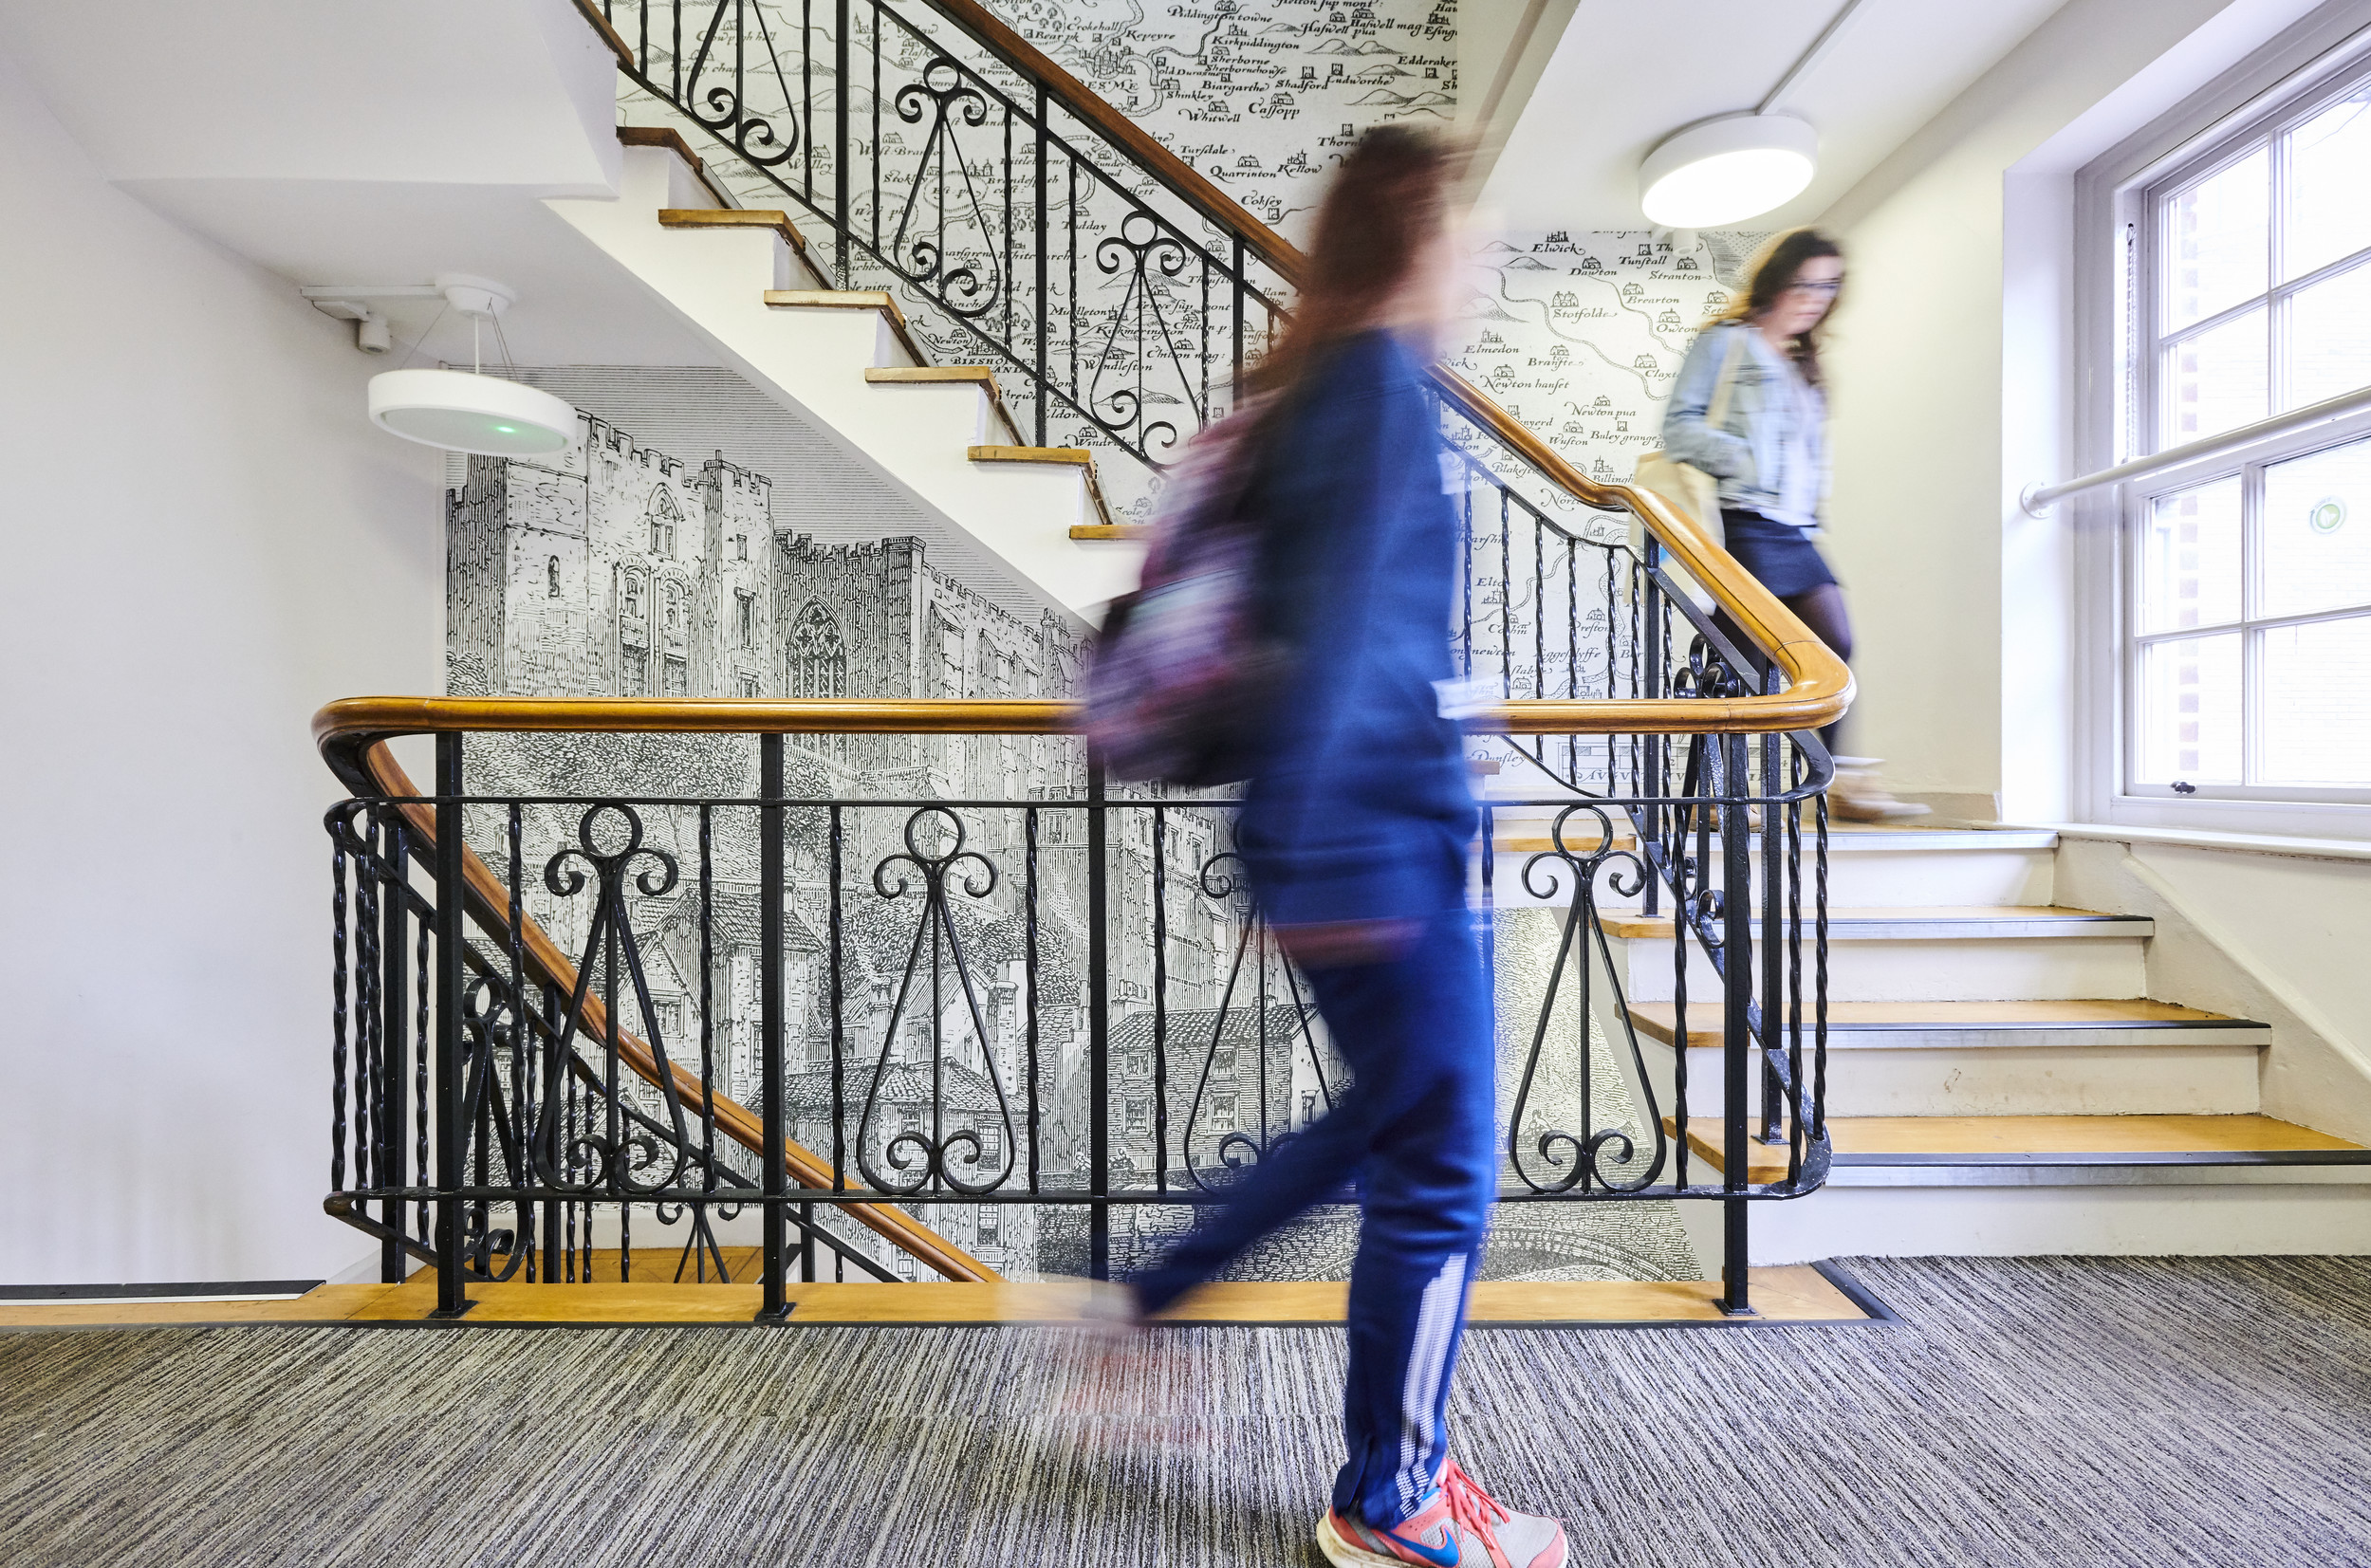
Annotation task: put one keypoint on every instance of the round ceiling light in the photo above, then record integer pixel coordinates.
(462, 412)
(1727, 170)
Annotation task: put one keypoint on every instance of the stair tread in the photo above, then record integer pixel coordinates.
(770, 218)
(2041, 916)
(1076, 456)
(1658, 1018)
(1109, 532)
(2145, 1137)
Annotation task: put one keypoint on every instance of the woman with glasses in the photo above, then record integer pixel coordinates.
(1758, 364)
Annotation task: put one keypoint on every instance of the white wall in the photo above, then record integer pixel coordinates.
(205, 542)
(2270, 936)
(1954, 381)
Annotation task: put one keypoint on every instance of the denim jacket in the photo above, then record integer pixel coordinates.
(1761, 433)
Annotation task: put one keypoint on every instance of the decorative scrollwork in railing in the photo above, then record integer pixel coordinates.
(977, 286)
(724, 110)
(1579, 1159)
(1221, 881)
(937, 951)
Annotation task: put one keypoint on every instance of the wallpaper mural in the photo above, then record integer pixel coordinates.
(703, 540)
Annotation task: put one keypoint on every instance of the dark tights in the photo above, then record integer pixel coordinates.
(1822, 609)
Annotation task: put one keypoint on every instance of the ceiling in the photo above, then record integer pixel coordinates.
(1626, 73)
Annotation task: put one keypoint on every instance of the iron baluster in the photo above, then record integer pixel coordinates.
(1098, 1024)
(453, 1119)
(1736, 912)
(393, 1255)
(776, 1307)
(1160, 1001)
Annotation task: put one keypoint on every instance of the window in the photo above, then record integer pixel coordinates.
(634, 678)
(745, 612)
(816, 665)
(1139, 1112)
(551, 578)
(1223, 1113)
(1223, 1060)
(631, 602)
(991, 1227)
(2247, 575)
(679, 676)
(740, 547)
(749, 686)
(663, 516)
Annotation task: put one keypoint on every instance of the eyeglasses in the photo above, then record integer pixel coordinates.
(1827, 290)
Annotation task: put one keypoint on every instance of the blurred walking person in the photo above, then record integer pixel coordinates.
(1749, 409)
(1356, 827)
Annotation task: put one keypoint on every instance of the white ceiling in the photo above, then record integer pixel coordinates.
(1627, 73)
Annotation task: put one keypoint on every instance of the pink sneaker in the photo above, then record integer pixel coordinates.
(1459, 1526)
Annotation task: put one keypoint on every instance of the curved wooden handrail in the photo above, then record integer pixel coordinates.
(542, 959)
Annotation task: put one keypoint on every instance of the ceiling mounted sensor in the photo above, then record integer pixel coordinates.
(1733, 167)
(457, 410)
(1724, 170)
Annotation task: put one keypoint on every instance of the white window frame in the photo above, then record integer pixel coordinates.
(2322, 57)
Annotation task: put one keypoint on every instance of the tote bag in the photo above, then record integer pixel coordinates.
(1694, 491)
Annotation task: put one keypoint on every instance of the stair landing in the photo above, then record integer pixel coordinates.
(1795, 1293)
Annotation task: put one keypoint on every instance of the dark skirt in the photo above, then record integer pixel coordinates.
(1781, 555)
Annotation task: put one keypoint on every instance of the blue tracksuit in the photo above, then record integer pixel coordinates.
(1361, 812)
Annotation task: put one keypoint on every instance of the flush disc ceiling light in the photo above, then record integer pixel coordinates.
(470, 411)
(1727, 170)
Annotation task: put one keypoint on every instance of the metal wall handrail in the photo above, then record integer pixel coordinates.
(2038, 499)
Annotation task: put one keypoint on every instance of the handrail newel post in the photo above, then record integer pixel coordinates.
(769, 1005)
(387, 1158)
(452, 1129)
(1098, 1023)
(1736, 1021)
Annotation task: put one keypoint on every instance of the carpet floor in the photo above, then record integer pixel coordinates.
(2058, 1412)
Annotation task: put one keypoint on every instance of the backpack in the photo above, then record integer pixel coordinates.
(1179, 687)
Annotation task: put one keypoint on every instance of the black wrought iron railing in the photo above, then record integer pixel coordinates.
(1026, 1021)
(1018, 1032)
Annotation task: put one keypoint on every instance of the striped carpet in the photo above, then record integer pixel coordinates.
(2029, 1411)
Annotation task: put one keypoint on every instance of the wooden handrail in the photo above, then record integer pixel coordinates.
(542, 959)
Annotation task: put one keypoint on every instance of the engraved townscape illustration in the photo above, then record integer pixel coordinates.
(701, 538)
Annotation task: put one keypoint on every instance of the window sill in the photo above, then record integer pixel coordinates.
(2249, 843)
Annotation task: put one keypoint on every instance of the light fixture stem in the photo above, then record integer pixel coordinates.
(1810, 57)
(477, 354)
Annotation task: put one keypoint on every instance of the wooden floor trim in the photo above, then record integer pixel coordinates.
(1798, 1294)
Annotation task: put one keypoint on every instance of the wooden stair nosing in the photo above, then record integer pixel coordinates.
(1657, 1021)
(1109, 532)
(672, 141)
(2237, 1139)
(1847, 924)
(770, 218)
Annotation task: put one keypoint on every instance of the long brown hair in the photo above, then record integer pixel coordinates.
(1387, 203)
(1768, 277)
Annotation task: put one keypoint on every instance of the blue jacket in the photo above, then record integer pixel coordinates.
(1360, 810)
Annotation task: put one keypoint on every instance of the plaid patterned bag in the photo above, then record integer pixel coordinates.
(1178, 687)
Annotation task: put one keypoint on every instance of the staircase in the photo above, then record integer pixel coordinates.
(2000, 1082)
(848, 360)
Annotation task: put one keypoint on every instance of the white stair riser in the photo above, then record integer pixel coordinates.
(1948, 970)
(815, 360)
(2088, 1080)
(2173, 1219)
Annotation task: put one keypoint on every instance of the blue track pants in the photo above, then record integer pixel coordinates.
(1415, 1130)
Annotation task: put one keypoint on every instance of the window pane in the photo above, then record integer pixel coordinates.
(2189, 711)
(2314, 678)
(2215, 242)
(2190, 559)
(2329, 337)
(2214, 381)
(2317, 537)
(2329, 169)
